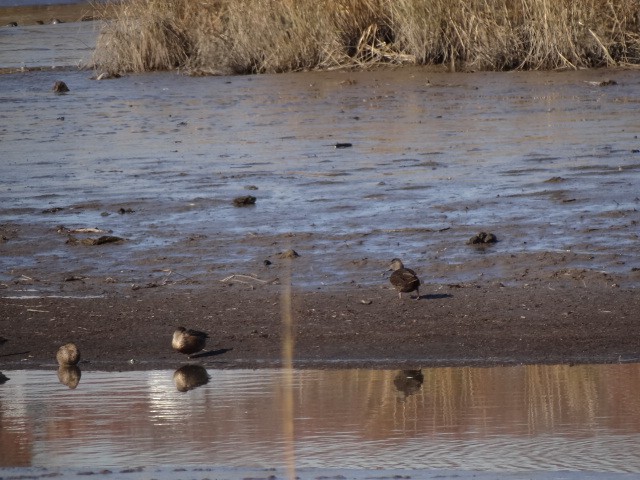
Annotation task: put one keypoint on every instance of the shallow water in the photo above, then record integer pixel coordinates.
(435, 159)
(505, 419)
(49, 34)
(62, 45)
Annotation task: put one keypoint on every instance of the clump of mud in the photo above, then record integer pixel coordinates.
(244, 201)
(482, 238)
(289, 254)
(60, 87)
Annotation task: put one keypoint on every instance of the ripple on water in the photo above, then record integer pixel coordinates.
(501, 419)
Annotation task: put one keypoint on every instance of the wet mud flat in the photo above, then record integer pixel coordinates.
(361, 327)
(118, 220)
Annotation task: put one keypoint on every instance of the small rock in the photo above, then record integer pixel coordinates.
(244, 201)
(106, 239)
(482, 238)
(94, 241)
(267, 263)
(343, 145)
(52, 210)
(12, 24)
(74, 278)
(122, 211)
(289, 254)
(60, 87)
(490, 238)
(250, 187)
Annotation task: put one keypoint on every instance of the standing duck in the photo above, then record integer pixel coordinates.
(404, 279)
(188, 341)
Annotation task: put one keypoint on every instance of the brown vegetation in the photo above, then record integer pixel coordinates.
(263, 36)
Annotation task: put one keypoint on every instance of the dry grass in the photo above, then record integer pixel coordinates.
(264, 36)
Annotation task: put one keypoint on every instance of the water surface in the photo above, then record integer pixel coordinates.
(504, 419)
(546, 161)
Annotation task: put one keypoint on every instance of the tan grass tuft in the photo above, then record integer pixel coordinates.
(266, 36)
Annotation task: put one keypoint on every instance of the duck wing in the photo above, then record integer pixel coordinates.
(405, 280)
(197, 333)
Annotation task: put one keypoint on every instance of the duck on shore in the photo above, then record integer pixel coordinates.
(68, 354)
(404, 279)
(188, 341)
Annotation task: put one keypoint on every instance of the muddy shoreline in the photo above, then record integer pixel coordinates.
(470, 324)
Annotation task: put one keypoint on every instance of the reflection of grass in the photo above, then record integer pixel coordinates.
(255, 36)
(527, 400)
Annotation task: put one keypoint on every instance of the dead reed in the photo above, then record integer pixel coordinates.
(266, 36)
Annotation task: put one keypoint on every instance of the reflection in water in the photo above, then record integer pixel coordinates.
(408, 382)
(69, 375)
(189, 377)
(493, 419)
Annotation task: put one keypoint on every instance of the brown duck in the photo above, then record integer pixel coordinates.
(188, 341)
(68, 354)
(404, 279)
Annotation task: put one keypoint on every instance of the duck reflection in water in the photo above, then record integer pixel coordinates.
(69, 375)
(408, 382)
(189, 377)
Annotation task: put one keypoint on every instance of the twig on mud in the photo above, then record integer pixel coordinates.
(171, 272)
(161, 283)
(164, 281)
(248, 279)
